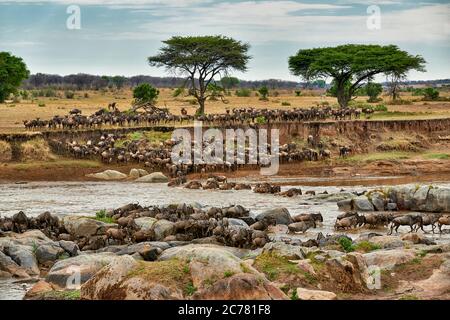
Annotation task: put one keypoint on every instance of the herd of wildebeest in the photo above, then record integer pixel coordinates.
(118, 149)
(153, 116)
(231, 226)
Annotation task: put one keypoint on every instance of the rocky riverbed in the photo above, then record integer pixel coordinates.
(236, 260)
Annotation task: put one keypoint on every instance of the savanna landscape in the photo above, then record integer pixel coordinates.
(98, 201)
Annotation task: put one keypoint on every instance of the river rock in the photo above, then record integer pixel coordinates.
(402, 196)
(85, 227)
(241, 286)
(388, 259)
(391, 206)
(70, 247)
(145, 223)
(24, 257)
(281, 215)
(378, 200)
(362, 203)
(30, 238)
(387, 242)
(206, 261)
(285, 250)
(437, 285)
(128, 279)
(79, 269)
(438, 200)
(137, 173)
(307, 294)
(238, 222)
(155, 177)
(39, 288)
(345, 205)
(149, 253)
(163, 228)
(11, 268)
(108, 175)
(48, 253)
(136, 247)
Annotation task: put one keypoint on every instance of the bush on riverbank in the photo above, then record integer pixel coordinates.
(36, 150)
(5, 152)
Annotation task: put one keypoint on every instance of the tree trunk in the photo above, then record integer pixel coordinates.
(201, 106)
(342, 97)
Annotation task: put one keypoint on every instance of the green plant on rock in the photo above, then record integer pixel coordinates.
(346, 244)
(190, 289)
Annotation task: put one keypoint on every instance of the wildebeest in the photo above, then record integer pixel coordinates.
(444, 220)
(406, 220)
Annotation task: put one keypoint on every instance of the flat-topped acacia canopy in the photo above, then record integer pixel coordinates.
(352, 65)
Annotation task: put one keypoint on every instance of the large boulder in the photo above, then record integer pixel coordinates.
(85, 227)
(163, 228)
(197, 271)
(70, 247)
(48, 253)
(108, 175)
(207, 262)
(421, 198)
(24, 256)
(378, 200)
(402, 196)
(77, 270)
(307, 294)
(281, 215)
(242, 286)
(387, 242)
(238, 222)
(362, 203)
(285, 250)
(155, 177)
(345, 205)
(137, 173)
(438, 200)
(145, 223)
(11, 268)
(388, 259)
(438, 284)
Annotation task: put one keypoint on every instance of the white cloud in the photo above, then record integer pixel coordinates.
(268, 21)
(116, 3)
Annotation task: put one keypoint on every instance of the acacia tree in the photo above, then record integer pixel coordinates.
(12, 72)
(351, 65)
(200, 59)
(145, 94)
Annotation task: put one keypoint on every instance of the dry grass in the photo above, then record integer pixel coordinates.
(12, 117)
(5, 151)
(36, 150)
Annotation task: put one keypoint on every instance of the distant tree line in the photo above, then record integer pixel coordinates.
(84, 81)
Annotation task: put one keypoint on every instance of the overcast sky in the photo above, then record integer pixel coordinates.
(116, 36)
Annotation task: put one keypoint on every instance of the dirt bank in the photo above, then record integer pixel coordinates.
(306, 173)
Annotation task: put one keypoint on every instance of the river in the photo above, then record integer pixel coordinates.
(85, 198)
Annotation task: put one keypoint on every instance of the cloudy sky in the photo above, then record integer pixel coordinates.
(116, 36)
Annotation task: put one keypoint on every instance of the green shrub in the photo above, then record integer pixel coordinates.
(298, 93)
(69, 94)
(346, 244)
(430, 94)
(243, 92)
(380, 108)
(285, 103)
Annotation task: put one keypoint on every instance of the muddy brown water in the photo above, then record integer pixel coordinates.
(85, 198)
